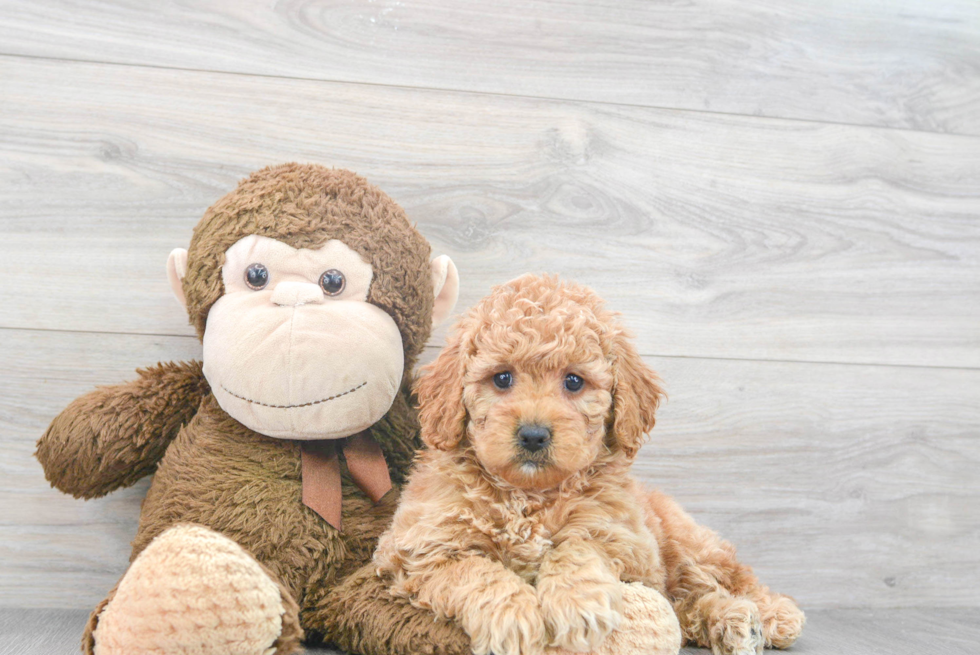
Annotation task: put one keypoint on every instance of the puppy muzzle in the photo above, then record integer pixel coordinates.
(533, 438)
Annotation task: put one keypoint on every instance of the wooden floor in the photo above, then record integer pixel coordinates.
(918, 631)
(782, 197)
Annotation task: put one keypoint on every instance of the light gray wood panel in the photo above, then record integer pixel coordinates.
(719, 236)
(842, 485)
(900, 63)
(846, 486)
(41, 632)
(906, 631)
(56, 551)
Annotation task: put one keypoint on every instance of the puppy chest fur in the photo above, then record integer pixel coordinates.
(451, 509)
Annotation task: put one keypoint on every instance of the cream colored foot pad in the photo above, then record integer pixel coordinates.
(192, 591)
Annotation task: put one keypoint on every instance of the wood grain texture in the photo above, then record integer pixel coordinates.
(41, 632)
(809, 291)
(842, 485)
(900, 63)
(56, 551)
(907, 631)
(720, 236)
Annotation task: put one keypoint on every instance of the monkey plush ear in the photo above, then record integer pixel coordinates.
(445, 286)
(176, 270)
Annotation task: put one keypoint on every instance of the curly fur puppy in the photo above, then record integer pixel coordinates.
(521, 519)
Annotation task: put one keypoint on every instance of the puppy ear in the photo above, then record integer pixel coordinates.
(442, 415)
(636, 396)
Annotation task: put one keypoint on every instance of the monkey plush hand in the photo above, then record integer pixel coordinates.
(313, 296)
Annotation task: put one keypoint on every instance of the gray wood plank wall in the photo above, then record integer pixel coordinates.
(783, 198)
(898, 63)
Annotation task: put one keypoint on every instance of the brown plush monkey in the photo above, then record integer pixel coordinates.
(313, 296)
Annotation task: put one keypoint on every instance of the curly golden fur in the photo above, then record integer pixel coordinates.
(524, 546)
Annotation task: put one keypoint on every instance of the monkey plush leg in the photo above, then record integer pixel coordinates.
(649, 626)
(113, 436)
(193, 591)
(360, 616)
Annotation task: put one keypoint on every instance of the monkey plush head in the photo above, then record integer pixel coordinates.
(313, 296)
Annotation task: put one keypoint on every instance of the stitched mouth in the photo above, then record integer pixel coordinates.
(315, 402)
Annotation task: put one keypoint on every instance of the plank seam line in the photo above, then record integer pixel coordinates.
(642, 354)
(813, 361)
(597, 103)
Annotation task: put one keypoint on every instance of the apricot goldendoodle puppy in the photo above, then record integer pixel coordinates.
(521, 519)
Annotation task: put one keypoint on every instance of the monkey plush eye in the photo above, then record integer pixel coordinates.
(256, 276)
(503, 380)
(332, 282)
(573, 382)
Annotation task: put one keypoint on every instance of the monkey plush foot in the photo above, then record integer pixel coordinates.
(193, 591)
(649, 626)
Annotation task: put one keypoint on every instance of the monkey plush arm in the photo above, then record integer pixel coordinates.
(113, 436)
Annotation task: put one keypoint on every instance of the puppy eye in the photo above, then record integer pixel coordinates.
(503, 380)
(332, 282)
(573, 382)
(256, 276)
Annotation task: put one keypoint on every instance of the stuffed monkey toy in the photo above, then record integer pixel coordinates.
(274, 460)
(277, 460)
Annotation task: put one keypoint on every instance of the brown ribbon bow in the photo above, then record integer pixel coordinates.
(321, 472)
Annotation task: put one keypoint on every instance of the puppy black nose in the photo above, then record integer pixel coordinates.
(533, 438)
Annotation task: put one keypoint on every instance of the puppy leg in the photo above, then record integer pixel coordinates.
(729, 625)
(496, 608)
(782, 619)
(581, 597)
(649, 625)
(719, 601)
(722, 605)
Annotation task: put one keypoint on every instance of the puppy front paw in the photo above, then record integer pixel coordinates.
(737, 629)
(579, 619)
(514, 627)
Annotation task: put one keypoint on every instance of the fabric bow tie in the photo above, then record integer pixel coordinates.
(321, 472)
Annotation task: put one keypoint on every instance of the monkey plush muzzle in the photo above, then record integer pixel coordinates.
(293, 360)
